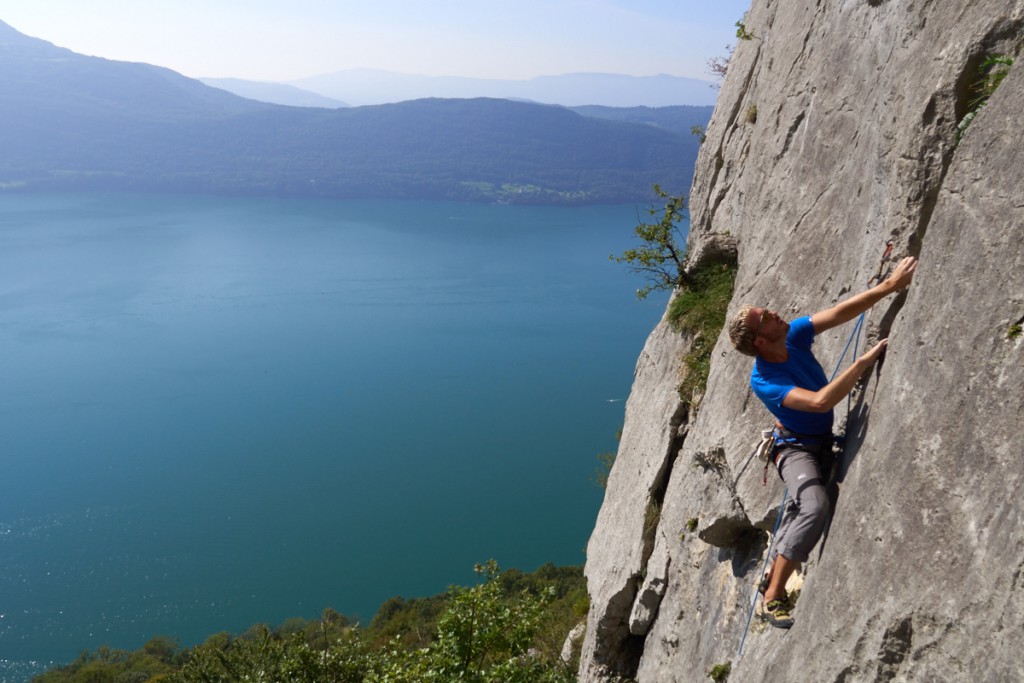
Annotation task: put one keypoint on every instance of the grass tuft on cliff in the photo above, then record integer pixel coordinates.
(992, 70)
(699, 309)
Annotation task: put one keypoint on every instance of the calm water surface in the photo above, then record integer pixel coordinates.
(217, 412)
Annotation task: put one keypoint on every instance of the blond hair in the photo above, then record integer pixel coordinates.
(740, 333)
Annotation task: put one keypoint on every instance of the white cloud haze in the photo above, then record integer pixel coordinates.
(277, 40)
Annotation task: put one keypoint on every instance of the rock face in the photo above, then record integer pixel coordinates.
(836, 132)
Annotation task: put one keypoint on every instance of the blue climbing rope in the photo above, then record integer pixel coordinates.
(764, 566)
(855, 335)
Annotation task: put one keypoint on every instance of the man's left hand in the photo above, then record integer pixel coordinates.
(902, 274)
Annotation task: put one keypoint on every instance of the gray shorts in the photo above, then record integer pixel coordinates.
(803, 520)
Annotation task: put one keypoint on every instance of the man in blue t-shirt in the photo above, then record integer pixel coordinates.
(792, 385)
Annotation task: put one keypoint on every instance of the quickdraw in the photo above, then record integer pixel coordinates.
(764, 449)
(881, 265)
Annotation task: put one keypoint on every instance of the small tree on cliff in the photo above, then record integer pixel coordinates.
(659, 258)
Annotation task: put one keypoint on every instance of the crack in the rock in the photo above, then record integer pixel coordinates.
(896, 644)
(793, 127)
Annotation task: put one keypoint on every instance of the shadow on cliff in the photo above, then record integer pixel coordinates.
(858, 417)
(746, 552)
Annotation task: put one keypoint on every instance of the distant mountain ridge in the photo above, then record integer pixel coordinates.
(77, 122)
(678, 119)
(274, 93)
(371, 86)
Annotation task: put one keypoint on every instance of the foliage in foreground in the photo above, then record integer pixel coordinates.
(507, 628)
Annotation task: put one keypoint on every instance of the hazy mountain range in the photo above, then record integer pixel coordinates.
(69, 121)
(274, 93)
(357, 87)
(368, 86)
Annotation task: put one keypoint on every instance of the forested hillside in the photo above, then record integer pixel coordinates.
(77, 122)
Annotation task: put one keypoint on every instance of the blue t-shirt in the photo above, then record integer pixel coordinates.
(773, 381)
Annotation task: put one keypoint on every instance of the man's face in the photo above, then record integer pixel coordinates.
(767, 325)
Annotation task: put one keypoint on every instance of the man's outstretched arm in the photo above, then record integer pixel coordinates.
(849, 309)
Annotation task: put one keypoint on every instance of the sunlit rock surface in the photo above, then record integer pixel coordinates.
(835, 133)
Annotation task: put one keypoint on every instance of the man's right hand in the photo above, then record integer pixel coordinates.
(847, 310)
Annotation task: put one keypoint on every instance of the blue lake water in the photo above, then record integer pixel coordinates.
(217, 412)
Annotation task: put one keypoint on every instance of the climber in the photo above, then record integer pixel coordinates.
(792, 384)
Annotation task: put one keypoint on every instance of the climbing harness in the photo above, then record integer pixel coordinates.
(778, 438)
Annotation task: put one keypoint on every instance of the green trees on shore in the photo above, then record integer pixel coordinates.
(508, 628)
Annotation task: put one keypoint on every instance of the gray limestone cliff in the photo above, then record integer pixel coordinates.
(836, 132)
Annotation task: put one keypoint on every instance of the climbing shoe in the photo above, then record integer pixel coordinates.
(762, 587)
(778, 613)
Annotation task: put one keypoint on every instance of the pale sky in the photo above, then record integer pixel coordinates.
(281, 40)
